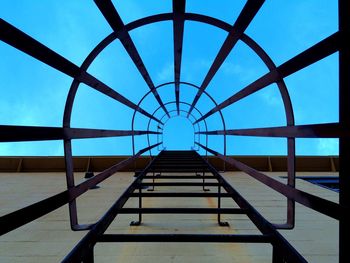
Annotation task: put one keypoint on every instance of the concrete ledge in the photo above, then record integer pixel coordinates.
(99, 163)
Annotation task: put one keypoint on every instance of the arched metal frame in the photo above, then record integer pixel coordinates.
(219, 24)
(338, 42)
(184, 83)
(181, 102)
(179, 114)
(172, 102)
(158, 128)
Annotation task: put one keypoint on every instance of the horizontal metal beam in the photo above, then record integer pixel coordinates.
(114, 20)
(324, 130)
(315, 53)
(180, 177)
(179, 194)
(244, 19)
(182, 211)
(27, 214)
(213, 238)
(9, 133)
(18, 39)
(179, 184)
(316, 203)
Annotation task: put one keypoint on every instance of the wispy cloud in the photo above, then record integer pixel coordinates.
(242, 73)
(311, 22)
(271, 97)
(166, 73)
(328, 147)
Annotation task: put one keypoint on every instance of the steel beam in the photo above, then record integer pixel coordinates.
(114, 20)
(325, 130)
(10, 133)
(244, 19)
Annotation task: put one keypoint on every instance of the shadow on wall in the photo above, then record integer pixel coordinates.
(178, 134)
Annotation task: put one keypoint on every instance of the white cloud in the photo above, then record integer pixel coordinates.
(328, 147)
(270, 97)
(166, 73)
(244, 74)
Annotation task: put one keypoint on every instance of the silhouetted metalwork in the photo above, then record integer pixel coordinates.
(189, 161)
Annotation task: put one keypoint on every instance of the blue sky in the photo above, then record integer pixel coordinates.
(32, 93)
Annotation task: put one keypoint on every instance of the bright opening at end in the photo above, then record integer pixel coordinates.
(178, 134)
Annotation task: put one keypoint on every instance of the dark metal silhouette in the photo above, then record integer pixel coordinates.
(190, 161)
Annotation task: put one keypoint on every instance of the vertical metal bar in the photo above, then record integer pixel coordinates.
(73, 214)
(344, 120)
(276, 256)
(291, 182)
(219, 203)
(221, 223)
(140, 204)
(137, 223)
(153, 177)
(73, 217)
(203, 177)
(203, 174)
(89, 258)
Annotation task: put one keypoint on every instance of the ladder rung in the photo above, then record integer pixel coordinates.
(182, 211)
(179, 177)
(179, 194)
(179, 184)
(214, 238)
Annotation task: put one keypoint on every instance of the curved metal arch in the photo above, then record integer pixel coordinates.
(187, 16)
(193, 17)
(185, 83)
(193, 123)
(159, 18)
(181, 102)
(169, 16)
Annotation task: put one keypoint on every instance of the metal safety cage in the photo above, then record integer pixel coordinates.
(166, 163)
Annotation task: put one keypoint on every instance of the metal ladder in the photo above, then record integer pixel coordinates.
(173, 165)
